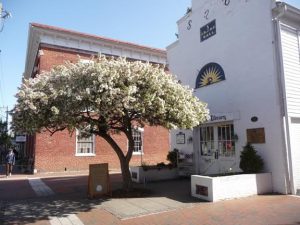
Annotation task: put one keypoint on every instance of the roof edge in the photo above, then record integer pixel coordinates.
(67, 31)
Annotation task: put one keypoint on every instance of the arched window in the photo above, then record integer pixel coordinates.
(211, 73)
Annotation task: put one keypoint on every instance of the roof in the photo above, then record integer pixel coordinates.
(47, 27)
(40, 34)
(287, 13)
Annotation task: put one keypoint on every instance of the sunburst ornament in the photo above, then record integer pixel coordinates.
(211, 73)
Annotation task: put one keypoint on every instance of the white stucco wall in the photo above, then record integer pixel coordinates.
(244, 47)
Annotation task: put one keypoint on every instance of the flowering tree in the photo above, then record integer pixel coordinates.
(104, 97)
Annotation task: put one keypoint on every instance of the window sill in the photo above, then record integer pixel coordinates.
(137, 153)
(85, 154)
(220, 157)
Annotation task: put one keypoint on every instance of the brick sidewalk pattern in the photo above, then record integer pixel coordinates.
(170, 204)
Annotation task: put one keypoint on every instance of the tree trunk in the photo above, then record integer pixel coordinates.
(127, 182)
(124, 160)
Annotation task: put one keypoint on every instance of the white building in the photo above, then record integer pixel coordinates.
(242, 58)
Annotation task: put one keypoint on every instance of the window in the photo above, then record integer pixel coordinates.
(85, 146)
(138, 141)
(217, 139)
(226, 144)
(207, 140)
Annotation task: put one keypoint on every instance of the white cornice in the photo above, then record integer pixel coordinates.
(39, 35)
(287, 14)
(32, 49)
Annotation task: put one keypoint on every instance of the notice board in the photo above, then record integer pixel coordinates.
(256, 136)
(98, 182)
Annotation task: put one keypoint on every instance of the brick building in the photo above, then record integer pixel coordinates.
(50, 46)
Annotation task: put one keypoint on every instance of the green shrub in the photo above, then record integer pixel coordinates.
(250, 161)
(160, 165)
(173, 156)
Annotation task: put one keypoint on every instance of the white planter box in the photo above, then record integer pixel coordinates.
(228, 187)
(139, 175)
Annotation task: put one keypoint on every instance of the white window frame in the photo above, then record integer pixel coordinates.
(216, 143)
(85, 154)
(229, 146)
(141, 132)
(208, 142)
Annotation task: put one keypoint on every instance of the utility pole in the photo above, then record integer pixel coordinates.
(6, 119)
(3, 16)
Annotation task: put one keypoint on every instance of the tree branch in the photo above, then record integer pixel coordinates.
(52, 132)
(112, 143)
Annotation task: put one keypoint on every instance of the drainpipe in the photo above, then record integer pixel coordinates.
(285, 121)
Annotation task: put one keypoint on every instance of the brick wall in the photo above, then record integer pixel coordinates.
(57, 152)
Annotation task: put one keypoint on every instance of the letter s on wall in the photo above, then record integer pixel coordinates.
(189, 25)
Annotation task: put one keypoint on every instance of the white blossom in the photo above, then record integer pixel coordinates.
(119, 88)
(54, 110)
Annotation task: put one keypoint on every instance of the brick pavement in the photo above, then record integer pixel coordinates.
(20, 205)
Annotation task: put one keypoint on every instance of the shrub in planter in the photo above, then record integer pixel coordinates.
(251, 162)
(145, 166)
(173, 156)
(160, 165)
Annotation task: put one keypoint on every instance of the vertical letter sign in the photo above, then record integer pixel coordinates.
(208, 30)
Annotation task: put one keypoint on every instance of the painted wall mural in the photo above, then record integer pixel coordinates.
(211, 73)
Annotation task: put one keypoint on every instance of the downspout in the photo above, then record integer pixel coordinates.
(283, 104)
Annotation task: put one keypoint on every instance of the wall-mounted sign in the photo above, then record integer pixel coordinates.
(222, 117)
(180, 138)
(211, 73)
(208, 30)
(21, 138)
(256, 136)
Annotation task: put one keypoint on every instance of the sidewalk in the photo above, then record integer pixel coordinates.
(170, 203)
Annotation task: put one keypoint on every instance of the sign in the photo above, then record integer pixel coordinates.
(98, 182)
(256, 136)
(222, 117)
(180, 138)
(208, 30)
(21, 138)
(201, 190)
(209, 74)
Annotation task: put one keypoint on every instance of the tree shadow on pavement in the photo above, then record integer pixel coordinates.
(33, 210)
(71, 198)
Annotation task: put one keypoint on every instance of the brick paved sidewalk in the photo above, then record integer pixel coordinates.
(170, 204)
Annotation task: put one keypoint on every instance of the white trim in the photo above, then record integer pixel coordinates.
(138, 153)
(84, 154)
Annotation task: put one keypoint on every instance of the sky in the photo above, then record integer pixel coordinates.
(148, 22)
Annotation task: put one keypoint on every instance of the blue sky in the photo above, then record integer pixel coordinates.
(147, 22)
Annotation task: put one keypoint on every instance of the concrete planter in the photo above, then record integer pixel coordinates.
(139, 175)
(229, 187)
